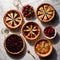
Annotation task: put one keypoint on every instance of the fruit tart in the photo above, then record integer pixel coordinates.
(45, 12)
(43, 47)
(13, 19)
(14, 44)
(31, 30)
(28, 11)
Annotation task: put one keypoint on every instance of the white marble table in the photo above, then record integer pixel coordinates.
(6, 5)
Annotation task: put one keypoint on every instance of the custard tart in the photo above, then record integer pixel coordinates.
(31, 30)
(13, 19)
(14, 44)
(43, 47)
(45, 12)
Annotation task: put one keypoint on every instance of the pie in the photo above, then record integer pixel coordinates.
(13, 19)
(45, 12)
(31, 30)
(14, 44)
(43, 47)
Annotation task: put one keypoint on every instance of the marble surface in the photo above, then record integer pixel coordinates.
(6, 5)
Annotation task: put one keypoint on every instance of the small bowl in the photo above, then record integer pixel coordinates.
(53, 35)
(8, 43)
(43, 47)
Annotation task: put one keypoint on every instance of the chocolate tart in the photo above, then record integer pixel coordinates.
(43, 47)
(45, 12)
(31, 30)
(13, 19)
(14, 44)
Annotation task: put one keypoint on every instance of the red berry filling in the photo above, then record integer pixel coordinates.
(49, 31)
(28, 11)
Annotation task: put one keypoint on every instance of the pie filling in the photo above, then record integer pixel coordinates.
(14, 43)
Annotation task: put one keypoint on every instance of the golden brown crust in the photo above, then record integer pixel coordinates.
(14, 53)
(31, 30)
(45, 12)
(13, 19)
(46, 47)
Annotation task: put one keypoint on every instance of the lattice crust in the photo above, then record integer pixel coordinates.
(45, 12)
(31, 30)
(13, 19)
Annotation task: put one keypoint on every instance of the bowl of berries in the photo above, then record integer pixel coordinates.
(49, 32)
(28, 12)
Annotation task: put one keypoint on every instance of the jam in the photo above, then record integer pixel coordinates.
(14, 43)
(49, 31)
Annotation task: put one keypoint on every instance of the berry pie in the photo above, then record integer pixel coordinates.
(45, 12)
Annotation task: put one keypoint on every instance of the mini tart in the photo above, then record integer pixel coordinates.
(14, 46)
(45, 12)
(43, 47)
(13, 19)
(31, 30)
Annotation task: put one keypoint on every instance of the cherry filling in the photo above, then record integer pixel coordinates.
(49, 31)
(28, 11)
(14, 43)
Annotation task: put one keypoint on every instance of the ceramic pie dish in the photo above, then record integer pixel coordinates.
(45, 12)
(43, 47)
(13, 19)
(14, 44)
(31, 30)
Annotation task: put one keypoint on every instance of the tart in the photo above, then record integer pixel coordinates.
(45, 12)
(31, 30)
(43, 47)
(28, 11)
(13, 19)
(14, 44)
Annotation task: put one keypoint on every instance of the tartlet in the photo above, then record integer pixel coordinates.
(13, 19)
(45, 12)
(14, 44)
(43, 47)
(31, 30)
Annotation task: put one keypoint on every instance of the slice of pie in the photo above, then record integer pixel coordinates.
(13, 19)
(45, 12)
(43, 47)
(31, 30)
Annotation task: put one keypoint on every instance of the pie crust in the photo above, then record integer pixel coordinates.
(31, 30)
(45, 12)
(13, 19)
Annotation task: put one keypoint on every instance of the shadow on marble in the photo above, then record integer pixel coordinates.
(19, 56)
(54, 22)
(53, 56)
(56, 39)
